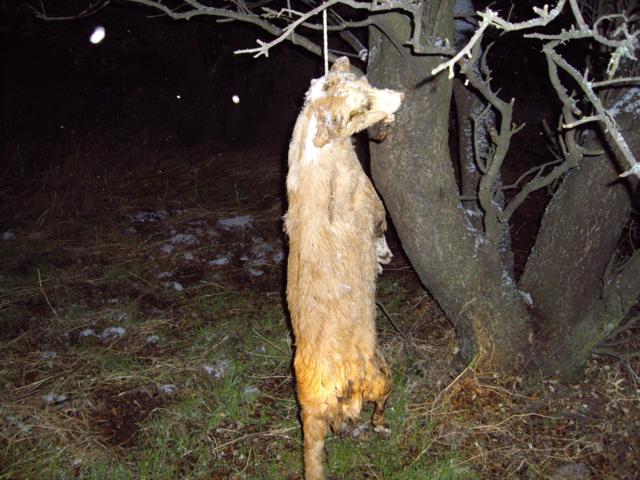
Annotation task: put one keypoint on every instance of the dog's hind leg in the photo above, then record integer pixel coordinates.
(380, 391)
(314, 430)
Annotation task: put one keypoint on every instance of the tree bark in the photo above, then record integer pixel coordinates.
(412, 169)
(566, 273)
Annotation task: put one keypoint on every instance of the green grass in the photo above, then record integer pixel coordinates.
(242, 425)
(398, 457)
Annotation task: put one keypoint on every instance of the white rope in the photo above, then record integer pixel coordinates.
(326, 42)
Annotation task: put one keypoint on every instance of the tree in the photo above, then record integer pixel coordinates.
(453, 215)
(576, 288)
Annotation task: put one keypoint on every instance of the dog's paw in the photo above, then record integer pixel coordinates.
(383, 430)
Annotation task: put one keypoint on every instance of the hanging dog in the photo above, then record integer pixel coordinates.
(335, 224)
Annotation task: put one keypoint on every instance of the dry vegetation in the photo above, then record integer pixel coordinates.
(132, 349)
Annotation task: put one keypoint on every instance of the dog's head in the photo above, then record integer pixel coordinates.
(344, 104)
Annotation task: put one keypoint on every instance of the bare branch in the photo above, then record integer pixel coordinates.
(227, 14)
(582, 121)
(487, 17)
(610, 128)
(615, 81)
(90, 10)
(501, 139)
(491, 18)
(538, 170)
(539, 182)
(624, 46)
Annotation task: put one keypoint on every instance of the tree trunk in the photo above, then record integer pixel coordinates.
(579, 303)
(413, 171)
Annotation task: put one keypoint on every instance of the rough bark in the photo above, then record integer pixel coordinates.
(601, 319)
(566, 273)
(413, 171)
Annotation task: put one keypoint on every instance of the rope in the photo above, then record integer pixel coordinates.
(326, 42)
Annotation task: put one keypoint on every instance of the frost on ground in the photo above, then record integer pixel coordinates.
(54, 398)
(219, 370)
(219, 244)
(250, 390)
(166, 248)
(222, 260)
(168, 389)
(87, 332)
(177, 286)
(278, 257)
(184, 239)
(255, 272)
(112, 332)
(259, 251)
(236, 222)
(148, 216)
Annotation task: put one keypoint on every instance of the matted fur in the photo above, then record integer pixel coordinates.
(336, 225)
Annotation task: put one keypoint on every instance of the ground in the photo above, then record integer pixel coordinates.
(144, 335)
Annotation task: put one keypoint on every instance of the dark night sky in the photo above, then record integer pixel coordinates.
(175, 82)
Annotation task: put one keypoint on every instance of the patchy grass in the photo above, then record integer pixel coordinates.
(150, 340)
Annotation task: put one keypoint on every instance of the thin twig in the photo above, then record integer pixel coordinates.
(45, 296)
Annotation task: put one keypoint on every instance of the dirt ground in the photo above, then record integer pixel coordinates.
(144, 335)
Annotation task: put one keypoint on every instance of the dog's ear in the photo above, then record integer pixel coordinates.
(325, 130)
(341, 65)
(328, 127)
(322, 136)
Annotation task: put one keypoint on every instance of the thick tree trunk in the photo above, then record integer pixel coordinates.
(578, 301)
(413, 171)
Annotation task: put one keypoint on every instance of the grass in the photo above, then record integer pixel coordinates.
(199, 383)
(209, 396)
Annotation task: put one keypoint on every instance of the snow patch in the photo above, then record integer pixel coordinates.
(184, 239)
(146, 216)
(250, 390)
(278, 257)
(8, 236)
(166, 248)
(222, 260)
(236, 222)
(54, 398)
(254, 272)
(259, 251)
(219, 370)
(168, 389)
(112, 332)
(177, 286)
